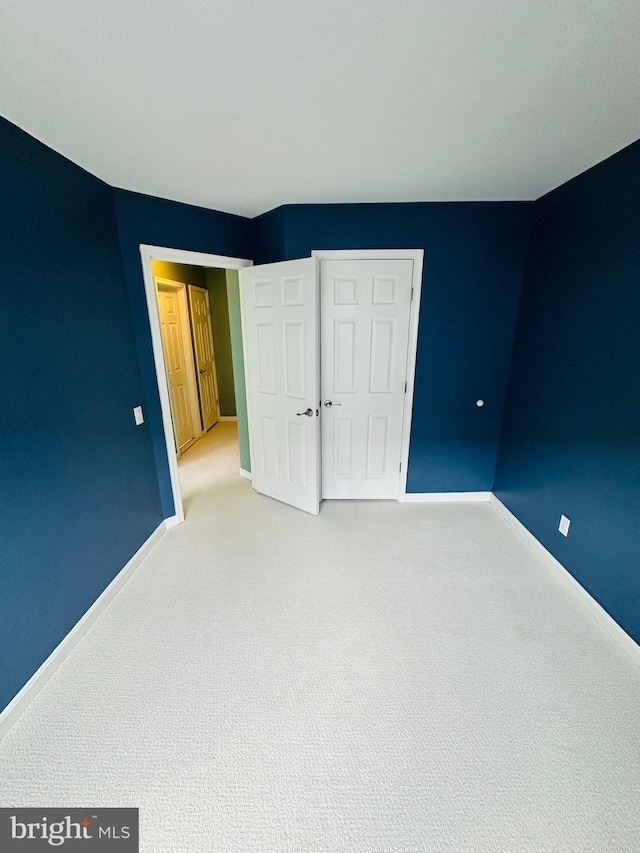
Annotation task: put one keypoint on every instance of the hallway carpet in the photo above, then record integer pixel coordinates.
(384, 677)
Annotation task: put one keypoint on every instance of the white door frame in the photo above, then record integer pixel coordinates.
(150, 253)
(417, 256)
(187, 348)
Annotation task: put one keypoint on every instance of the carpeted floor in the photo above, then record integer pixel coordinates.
(384, 677)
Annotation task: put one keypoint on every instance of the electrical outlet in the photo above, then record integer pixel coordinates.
(563, 527)
(138, 416)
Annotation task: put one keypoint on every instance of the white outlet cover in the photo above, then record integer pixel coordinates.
(138, 416)
(563, 527)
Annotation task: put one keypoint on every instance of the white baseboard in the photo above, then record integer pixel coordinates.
(228, 418)
(172, 521)
(246, 474)
(443, 497)
(33, 686)
(597, 611)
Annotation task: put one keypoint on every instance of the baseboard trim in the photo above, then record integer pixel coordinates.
(443, 497)
(172, 521)
(228, 418)
(607, 622)
(246, 474)
(37, 681)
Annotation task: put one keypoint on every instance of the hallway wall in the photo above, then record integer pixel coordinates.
(216, 284)
(237, 355)
(184, 273)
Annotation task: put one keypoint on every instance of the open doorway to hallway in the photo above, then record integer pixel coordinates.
(196, 340)
(193, 306)
(194, 310)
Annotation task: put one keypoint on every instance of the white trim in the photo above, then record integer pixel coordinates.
(228, 418)
(443, 497)
(37, 681)
(178, 256)
(172, 521)
(246, 475)
(607, 622)
(417, 256)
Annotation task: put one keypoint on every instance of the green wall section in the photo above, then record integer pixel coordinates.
(217, 287)
(237, 354)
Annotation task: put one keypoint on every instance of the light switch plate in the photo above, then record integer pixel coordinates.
(137, 414)
(563, 527)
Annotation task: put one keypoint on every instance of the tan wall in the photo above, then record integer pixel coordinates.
(180, 272)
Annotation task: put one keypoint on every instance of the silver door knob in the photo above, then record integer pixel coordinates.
(329, 403)
(307, 412)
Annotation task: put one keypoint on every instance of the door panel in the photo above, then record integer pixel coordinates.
(280, 331)
(365, 308)
(205, 358)
(177, 367)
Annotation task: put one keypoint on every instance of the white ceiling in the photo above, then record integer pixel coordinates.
(243, 105)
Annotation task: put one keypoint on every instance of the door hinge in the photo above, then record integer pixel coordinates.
(401, 467)
(405, 387)
(412, 294)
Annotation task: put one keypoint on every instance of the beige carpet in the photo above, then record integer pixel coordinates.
(384, 677)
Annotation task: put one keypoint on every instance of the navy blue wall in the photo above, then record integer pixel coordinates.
(473, 267)
(571, 436)
(78, 482)
(268, 236)
(155, 221)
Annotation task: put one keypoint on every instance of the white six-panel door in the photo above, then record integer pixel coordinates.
(172, 326)
(204, 356)
(365, 310)
(281, 348)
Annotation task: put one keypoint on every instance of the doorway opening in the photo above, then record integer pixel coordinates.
(194, 315)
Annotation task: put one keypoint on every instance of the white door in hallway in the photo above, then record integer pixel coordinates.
(281, 349)
(204, 356)
(365, 309)
(177, 365)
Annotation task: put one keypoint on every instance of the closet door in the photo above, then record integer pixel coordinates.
(204, 355)
(365, 308)
(177, 365)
